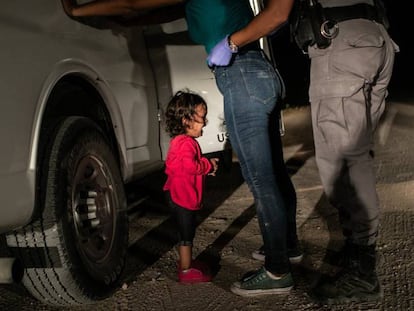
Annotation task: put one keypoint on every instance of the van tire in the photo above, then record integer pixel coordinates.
(74, 252)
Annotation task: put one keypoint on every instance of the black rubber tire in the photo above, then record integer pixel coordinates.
(75, 252)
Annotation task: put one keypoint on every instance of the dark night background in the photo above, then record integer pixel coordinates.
(294, 65)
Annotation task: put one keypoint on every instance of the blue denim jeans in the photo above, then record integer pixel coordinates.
(251, 88)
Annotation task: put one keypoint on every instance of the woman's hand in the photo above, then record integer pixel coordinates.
(221, 54)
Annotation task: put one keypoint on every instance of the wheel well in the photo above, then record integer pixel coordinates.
(74, 96)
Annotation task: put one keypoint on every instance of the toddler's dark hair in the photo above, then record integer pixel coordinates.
(181, 106)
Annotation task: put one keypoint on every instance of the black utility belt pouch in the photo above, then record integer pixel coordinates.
(312, 24)
(306, 22)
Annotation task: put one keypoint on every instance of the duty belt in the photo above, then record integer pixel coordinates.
(343, 13)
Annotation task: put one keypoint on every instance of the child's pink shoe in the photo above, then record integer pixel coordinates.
(193, 275)
(199, 265)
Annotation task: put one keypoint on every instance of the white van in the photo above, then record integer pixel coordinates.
(81, 116)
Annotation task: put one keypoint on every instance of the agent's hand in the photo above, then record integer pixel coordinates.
(221, 54)
(214, 163)
(68, 6)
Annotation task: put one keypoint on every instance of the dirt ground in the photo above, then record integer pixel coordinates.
(228, 233)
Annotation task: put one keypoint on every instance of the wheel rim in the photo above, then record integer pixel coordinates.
(93, 204)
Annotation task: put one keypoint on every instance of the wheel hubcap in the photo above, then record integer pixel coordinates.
(93, 208)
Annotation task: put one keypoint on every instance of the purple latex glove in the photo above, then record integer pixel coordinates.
(221, 54)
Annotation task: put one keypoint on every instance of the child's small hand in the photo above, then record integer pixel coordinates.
(214, 163)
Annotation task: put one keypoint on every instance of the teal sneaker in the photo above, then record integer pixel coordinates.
(260, 283)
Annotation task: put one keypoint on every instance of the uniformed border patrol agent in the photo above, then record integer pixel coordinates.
(352, 59)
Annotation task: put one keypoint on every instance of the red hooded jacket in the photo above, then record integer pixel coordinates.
(186, 170)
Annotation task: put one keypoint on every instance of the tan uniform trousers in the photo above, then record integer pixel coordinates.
(348, 87)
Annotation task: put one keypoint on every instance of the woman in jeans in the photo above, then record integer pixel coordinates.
(251, 88)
